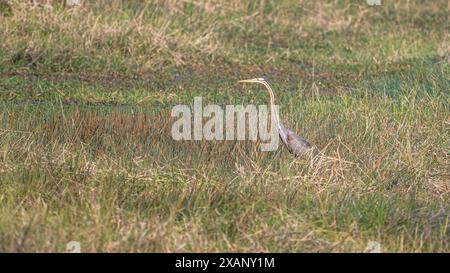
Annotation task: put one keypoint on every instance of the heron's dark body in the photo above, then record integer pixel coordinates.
(295, 144)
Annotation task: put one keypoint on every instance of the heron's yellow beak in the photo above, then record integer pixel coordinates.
(257, 80)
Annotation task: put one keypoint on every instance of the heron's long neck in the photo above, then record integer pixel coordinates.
(272, 103)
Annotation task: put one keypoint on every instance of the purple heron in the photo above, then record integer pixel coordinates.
(296, 144)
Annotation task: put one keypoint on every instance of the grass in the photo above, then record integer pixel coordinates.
(86, 152)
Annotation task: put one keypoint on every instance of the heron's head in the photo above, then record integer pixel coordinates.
(255, 80)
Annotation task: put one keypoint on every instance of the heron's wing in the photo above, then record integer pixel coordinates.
(295, 143)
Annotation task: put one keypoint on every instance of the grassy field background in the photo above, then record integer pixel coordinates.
(85, 147)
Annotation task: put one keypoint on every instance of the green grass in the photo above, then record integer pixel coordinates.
(86, 152)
